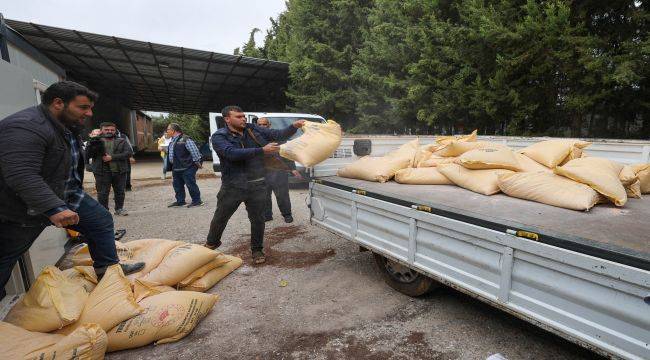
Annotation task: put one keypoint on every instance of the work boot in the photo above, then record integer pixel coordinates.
(126, 269)
(195, 204)
(212, 246)
(121, 212)
(258, 257)
(176, 204)
(288, 219)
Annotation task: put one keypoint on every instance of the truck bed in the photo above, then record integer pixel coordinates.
(616, 234)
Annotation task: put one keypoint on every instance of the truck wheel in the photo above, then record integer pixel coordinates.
(404, 279)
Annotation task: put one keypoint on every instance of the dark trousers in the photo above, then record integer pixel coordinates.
(128, 174)
(228, 200)
(95, 222)
(103, 184)
(182, 178)
(277, 182)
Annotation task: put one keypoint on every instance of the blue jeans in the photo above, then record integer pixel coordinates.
(182, 178)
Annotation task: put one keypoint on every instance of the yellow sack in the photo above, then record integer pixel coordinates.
(489, 158)
(316, 144)
(435, 160)
(219, 261)
(548, 189)
(424, 153)
(81, 257)
(633, 190)
(455, 149)
(88, 342)
(444, 140)
(110, 303)
(409, 151)
(82, 275)
(421, 176)
(601, 174)
(167, 317)
(627, 175)
(379, 169)
(527, 164)
(149, 251)
(180, 262)
(643, 173)
(214, 276)
(50, 304)
(480, 181)
(552, 153)
(143, 289)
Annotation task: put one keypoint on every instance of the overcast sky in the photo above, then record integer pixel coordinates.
(218, 25)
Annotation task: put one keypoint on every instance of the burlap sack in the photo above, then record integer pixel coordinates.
(552, 153)
(480, 181)
(317, 143)
(180, 262)
(409, 151)
(489, 158)
(421, 176)
(214, 276)
(643, 173)
(435, 160)
(444, 140)
(378, 169)
(82, 275)
(456, 148)
(143, 289)
(527, 164)
(219, 261)
(599, 173)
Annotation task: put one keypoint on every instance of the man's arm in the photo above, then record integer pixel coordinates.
(190, 145)
(21, 157)
(277, 135)
(125, 154)
(224, 148)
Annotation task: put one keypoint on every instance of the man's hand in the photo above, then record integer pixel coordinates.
(132, 160)
(271, 148)
(300, 123)
(107, 158)
(297, 174)
(64, 218)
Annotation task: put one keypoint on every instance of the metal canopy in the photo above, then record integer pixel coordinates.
(155, 77)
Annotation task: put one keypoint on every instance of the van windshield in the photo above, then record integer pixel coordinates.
(283, 122)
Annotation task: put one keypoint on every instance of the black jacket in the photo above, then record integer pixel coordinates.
(34, 163)
(122, 151)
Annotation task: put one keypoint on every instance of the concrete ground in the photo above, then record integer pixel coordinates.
(335, 306)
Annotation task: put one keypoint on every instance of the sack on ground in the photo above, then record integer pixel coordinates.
(550, 189)
(214, 276)
(489, 158)
(456, 148)
(149, 251)
(82, 275)
(599, 173)
(200, 272)
(167, 317)
(316, 144)
(435, 160)
(82, 256)
(527, 164)
(110, 303)
(444, 140)
(180, 262)
(378, 169)
(643, 173)
(480, 181)
(143, 289)
(552, 153)
(88, 342)
(409, 151)
(421, 176)
(53, 302)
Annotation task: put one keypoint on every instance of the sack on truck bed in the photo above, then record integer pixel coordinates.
(552, 153)
(599, 173)
(53, 302)
(180, 262)
(549, 189)
(435, 160)
(110, 303)
(421, 176)
(444, 140)
(424, 153)
(318, 143)
(214, 276)
(167, 317)
(378, 169)
(489, 158)
(630, 181)
(527, 164)
(456, 149)
(88, 342)
(643, 173)
(409, 151)
(480, 181)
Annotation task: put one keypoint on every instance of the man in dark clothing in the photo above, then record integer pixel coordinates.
(277, 181)
(184, 160)
(41, 177)
(242, 148)
(110, 156)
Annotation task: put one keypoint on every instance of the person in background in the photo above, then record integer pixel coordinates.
(277, 181)
(163, 147)
(122, 135)
(87, 159)
(41, 180)
(110, 156)
(184, 160)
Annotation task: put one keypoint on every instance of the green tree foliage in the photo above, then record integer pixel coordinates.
(193, 126)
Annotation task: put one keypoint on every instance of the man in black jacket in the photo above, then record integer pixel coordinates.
(41, 177)
(110, 156)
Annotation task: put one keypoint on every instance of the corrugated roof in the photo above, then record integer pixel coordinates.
(155, 77)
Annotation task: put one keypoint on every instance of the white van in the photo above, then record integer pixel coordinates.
(278, 121)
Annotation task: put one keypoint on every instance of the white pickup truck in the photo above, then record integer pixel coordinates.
(584, 276)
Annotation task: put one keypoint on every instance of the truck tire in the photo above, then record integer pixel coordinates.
(404, 279)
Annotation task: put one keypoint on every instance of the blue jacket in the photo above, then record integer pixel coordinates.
(242, 159)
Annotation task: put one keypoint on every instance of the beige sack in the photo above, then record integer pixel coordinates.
(551, 153)
(144, 289)
(149, 251)
(316, 144)
(549, 189)
(421, 176)
(444, 140)
(409, 151)
(180, 262)
(167, 317)
(214, 276)
(633, 190)
(435, 160)
(481, 181)
(219, 261)
(81, 257)
(110, 303)
(527, 164)
(82, 275)
(489, 159)
(51, 303)
(455, 149)
(88, 342)
(599, 173)
(643, 173)
(424, 153)
(379, 169)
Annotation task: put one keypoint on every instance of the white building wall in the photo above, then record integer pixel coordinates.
(39, 72)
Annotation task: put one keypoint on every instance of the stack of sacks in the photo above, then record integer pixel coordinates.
(552, 153)
(383, 168)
